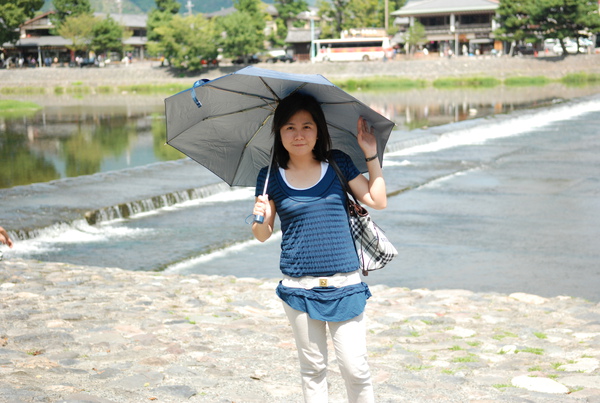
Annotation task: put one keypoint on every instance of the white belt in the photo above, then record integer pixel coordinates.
(337, 280)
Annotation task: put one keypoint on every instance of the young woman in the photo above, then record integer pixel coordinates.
(321, 283)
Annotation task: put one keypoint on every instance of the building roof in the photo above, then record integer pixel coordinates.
(301, 35)
(41, 41)
(432, 7)
(127, 20)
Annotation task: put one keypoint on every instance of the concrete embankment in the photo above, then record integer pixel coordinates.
(428, 69)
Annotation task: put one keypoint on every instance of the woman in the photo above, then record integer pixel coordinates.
(321, 283)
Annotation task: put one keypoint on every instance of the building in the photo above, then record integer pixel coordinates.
(37, 46)
(454, 26)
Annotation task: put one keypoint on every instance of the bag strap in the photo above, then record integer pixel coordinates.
(342, 179)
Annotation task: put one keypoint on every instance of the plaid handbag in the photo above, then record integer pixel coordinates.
(372, 246)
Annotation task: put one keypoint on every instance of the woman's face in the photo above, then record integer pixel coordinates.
(299, 134)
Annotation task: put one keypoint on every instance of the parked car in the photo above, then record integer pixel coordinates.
(571, 46)
(89, 62)
(281, 58)
(251, 60)
(523, 50)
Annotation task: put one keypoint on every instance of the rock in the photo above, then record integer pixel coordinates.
(544, 385)
(528, 298)
(581, 381)
(586, 365)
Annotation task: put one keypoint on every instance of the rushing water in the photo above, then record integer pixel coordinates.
(460, 216)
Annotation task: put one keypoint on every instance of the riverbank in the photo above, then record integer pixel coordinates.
(74, 333)
(416, 69)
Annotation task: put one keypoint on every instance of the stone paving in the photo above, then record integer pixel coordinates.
(89, 334)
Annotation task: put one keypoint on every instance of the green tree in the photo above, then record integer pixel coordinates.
(244, 29)
(68, 8)
(13, 14)
(365, 14)
(335, 17)
(287, 10)
(563, 19)
(161, 15)
(80, 30)
(415, 36)
(241, 36)
(107, 36)
(185, 41)
(534, 20)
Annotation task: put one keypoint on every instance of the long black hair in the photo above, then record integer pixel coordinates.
(285, 110)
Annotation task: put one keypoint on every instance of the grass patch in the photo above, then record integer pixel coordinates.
(580, 79)
(458, 82)
(536, 351)
(78, 89)
(504, 335)
(10, 108)
(104, 89)
(153, 88)
(469, 358)
(380, 84)
(455, 348)
(501, 385)
(540, 335)
(526, 81)
(534, 369)
(22, 90)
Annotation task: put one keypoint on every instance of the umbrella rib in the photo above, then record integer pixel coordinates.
(239, 111)
(245, 93)
(250, 141)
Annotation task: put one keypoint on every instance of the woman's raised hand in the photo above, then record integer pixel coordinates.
(366, 137)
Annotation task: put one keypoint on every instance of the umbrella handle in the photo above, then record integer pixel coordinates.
(259, 219)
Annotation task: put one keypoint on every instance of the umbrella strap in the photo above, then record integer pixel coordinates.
(197, 84)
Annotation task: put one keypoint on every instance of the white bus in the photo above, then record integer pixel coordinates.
(352, 49)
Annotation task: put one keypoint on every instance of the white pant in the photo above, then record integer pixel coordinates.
(349, 340)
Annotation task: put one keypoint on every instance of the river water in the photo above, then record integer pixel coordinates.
(505, 203)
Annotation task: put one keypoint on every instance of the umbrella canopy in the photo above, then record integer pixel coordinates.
(225, 124)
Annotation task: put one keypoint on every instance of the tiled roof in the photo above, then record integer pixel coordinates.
(424, 7)
(301, 35)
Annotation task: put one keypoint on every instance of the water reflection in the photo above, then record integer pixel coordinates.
(71, 137)
(429, 107)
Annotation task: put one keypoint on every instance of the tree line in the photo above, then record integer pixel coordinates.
(188, 40)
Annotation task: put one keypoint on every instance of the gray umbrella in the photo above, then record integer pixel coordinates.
(225, 124)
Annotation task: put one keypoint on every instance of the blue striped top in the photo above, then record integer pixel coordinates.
(316, 241)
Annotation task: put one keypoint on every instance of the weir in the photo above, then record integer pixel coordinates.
(125, 210)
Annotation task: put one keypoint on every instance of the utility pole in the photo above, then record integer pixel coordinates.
(387, 17)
